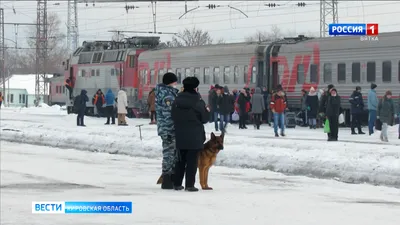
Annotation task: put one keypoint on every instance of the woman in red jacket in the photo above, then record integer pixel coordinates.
(278, 106)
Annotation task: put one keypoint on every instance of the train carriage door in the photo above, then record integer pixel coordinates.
(275, 66)
(260, 79)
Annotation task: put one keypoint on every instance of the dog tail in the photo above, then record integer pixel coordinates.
(160, 180)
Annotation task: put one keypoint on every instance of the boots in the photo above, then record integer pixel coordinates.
(167, 182)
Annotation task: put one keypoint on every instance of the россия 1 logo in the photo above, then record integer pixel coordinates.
(367, 32)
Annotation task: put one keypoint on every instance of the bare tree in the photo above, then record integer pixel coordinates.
(192, 37)
(57, 51)
(117, 36)
(272, 35)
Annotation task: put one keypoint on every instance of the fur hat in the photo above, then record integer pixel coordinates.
(169, 78)
(190, 83)
(330, 86)
(373, 86)
(358, 88)
(388, 93)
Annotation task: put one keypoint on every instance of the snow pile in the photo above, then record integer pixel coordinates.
(43, 109)
(302, 152)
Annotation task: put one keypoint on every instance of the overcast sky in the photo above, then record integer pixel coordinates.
(223, 22)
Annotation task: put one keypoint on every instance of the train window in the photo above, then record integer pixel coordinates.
(197, 73)
(313, 73)
(341, 72)
(152, 77)
(93, 73)
(131, 61)
(85, 58)
(97, 72)
(236, 75)
(300, 74)
(398, 75)
(121, 56)
(63, 89)
(187, 72)
(227, 74)
(245, 73)
(371, 71)
(387, 71)
(206, 77)
(254, 75)
(145, 75)
(356, 72)
(327, 73)
(83, 73)
(216, 75)
(97, 57)
(170, 70)
(160, 75)
(179, 75)
(117, 72)
(112, 71)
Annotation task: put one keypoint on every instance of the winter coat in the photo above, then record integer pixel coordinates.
(228, 102)
(110, 98)
(324, 102)
(386, 110)
(372, 100)
(211, 95)
(189, 113)
(98, 99)
(151, 101)
(303, 102)
(333, 106)
(242, 104)
(83, 98)
(278, 103)
(257, 102)
(122, 102)
(357, 103)
(312, 105)
(165, 96)
(217, 103)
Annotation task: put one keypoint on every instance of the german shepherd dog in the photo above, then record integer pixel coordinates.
(206, 159)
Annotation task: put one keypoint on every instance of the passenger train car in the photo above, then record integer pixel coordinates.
(295, 63)
(58, 94)
(107, 65)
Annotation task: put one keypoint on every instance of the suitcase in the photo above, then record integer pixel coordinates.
(290, 120)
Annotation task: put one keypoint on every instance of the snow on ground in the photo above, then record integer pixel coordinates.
(240, 196)
(302, 152)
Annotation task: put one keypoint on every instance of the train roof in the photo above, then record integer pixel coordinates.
(206, 50)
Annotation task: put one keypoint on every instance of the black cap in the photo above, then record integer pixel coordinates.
(169, 78)
(373, 86)
(190, 83)
(330, 86)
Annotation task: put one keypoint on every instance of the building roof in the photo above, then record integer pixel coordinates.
(27, 82)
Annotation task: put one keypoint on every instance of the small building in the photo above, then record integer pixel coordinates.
(20, 91)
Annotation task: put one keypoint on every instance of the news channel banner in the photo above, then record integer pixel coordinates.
(366, 31)
(53, 207)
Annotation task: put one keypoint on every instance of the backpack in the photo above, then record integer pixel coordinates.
(77, 103)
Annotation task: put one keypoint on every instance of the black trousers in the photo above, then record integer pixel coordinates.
(80, 118)
(265, 115)
(186, 165)
(334, 126)
(110, 114)
(356, 122)
(242, 120)
(69, 90)
(152, 116)
(257, 119)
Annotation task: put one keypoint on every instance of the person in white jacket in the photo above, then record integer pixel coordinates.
(122, 105)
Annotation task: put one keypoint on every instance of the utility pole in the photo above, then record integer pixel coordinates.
(72, 26)
(41, 51)
(3, 51)
(328, 13)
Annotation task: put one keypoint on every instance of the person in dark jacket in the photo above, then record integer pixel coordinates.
(332, 113)
(98, 102)
(151, 101)
(81, 103)
(189, 113)
(303, 103)
(312, 108)
(266, 96)
(258, 107)
(217, 106)
(357, 108)
(228, 107)
(211, 95)
(242, 104)
(110, 102)
(386, 114)
(323, 104)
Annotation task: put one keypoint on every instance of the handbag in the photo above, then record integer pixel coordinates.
(341, 118)
(235, 116)
(327, 128)
(378, 124)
